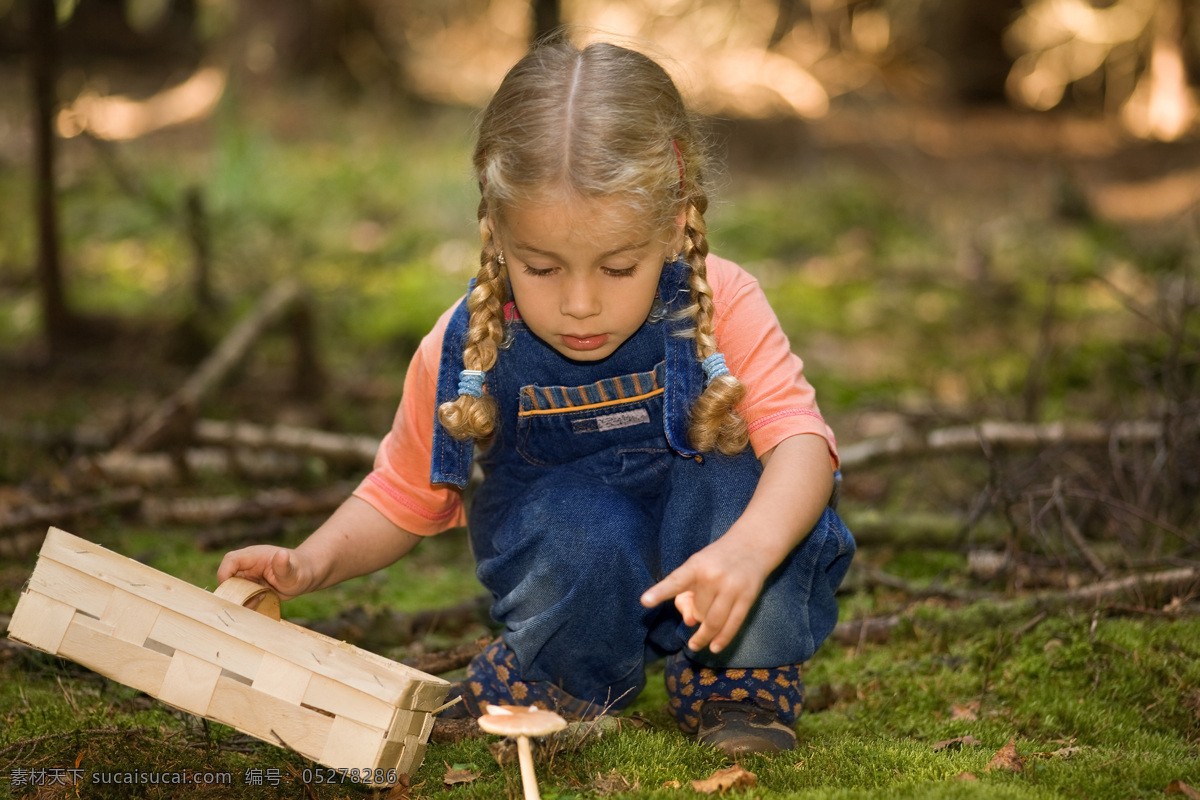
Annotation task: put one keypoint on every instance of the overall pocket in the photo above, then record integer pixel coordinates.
(560, 424)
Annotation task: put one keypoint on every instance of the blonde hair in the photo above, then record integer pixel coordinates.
(599, 121)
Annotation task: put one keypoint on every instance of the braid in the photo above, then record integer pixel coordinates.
(715, 422)
(468, 417)
(575, 120)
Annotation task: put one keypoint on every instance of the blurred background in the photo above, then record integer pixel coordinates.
(963, 211)
(225, 225)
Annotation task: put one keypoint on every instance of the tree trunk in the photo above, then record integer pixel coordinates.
(43, 58)
(547, 17)
(968, 36)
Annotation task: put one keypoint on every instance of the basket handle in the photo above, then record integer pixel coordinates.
(251, 595)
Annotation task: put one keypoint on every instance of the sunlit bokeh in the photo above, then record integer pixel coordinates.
(1123, 58)
(1060, 42)
(116, 117)
(716, 50)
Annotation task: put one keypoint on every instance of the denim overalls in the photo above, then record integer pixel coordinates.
(591, 495)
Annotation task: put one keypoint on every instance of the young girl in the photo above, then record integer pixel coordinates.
(644, 431)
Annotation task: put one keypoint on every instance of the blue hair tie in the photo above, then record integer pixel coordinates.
(714, 367)
(470, 381)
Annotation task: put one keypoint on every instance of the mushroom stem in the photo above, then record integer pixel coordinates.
(528, 777)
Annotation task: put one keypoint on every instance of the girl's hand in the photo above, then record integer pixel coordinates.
(715, 588)
(286, 571)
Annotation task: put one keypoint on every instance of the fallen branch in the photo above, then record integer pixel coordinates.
(176, 414)
(333, 446)
(919, 529)
(271, 503)
(80, 438)
(451, 731)
(228, 537)
(43, 514)
(1010, 435)
(877, 629)
(386, 628)
(123, 467)
(445, 661)
(1168, 581)
(873, 575)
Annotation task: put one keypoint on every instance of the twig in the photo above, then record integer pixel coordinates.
(876, 575)
(391, 628)
(918, 529)
(40, 514)
(224, 537)
(178, 411)
(298, 775)
(1129, 508)
(447, 660)
(88, 732)
(270, 503)
(358, 450)
(988, 434)
(1074, 534)
(1138, 310)
(1030, 625)
(123, 467)
(198, 232)
(1117, 587)
(1034, 382)
(879, 628)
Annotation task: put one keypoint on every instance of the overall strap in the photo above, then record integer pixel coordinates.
(452, 457)
(685, 376)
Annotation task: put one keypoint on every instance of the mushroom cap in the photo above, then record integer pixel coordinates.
(520, 720)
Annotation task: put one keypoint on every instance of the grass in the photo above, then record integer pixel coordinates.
(927, 304)
(1097, 707)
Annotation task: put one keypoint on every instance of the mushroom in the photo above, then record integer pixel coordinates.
(522, 722)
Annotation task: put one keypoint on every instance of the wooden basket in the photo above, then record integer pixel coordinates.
(207, 654)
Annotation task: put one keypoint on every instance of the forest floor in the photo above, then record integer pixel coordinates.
(1021, 619)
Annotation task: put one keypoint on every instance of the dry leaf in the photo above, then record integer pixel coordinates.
(1006, 758)
(670, 784)
(612, 783)
(1179, 787)
(965, 776)
(960, 742)
(732, 778)
(968, 712)
(455, 775)
(401, 790)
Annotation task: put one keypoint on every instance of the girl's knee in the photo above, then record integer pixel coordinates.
(568, 539)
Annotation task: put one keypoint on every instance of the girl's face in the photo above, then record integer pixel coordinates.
(583, 271)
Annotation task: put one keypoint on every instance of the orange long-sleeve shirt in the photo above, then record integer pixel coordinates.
(779, 403)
